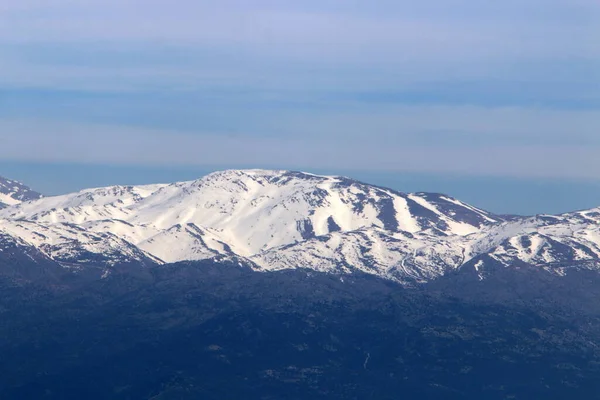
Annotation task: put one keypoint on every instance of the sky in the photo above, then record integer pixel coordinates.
(497, 103)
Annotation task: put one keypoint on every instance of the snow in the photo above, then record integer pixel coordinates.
(465, 205)
(73, 244)
(371, 250)
(188, 242)
(7, 198)
(256, 214)
(407, 221)
(455, 227)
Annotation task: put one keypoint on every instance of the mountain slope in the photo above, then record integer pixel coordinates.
(75, 247)
(401, 256)
(204, 330)
(13, 192)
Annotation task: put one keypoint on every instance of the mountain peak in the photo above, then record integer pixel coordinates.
(267, 174)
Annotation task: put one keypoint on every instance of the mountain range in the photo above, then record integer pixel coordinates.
(280, 220)
(268, 285)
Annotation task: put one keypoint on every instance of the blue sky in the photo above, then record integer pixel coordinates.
(460, 96)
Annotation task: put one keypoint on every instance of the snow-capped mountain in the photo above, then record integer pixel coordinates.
(401, 256)
(553, 243)
(257, 210)
(281, 219)
(13, 192)
(74, 246)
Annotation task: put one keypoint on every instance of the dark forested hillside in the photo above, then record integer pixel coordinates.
(220, 331)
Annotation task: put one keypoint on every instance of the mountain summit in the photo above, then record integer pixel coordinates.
(276, 220)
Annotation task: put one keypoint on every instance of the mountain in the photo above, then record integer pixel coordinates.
(281, 220)
(13, 192)
(255, 210)
(274, 284)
